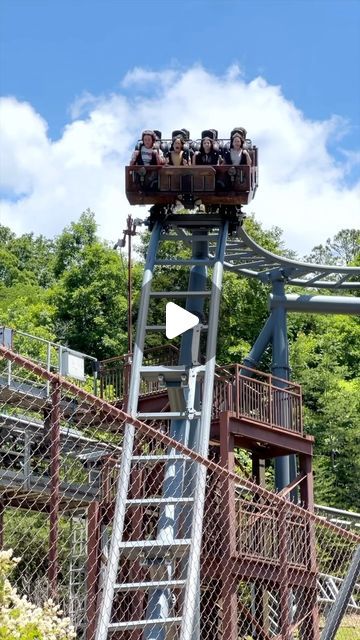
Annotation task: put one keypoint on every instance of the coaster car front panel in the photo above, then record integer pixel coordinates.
(210, 185)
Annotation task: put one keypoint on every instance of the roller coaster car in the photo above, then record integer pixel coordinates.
(196, 184)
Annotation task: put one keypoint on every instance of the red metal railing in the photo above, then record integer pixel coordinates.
(115, 372)
(257, 526)
(258, 534)
(258, 396)
(246, 392)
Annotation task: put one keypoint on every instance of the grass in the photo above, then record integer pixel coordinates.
(348, 634)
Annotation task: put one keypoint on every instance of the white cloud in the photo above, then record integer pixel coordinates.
(142, 79)
(83, 103)
(49, 183)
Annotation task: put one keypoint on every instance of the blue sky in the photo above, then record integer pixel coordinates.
(69, 61)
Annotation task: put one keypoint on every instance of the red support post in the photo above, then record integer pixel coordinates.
(228, 579)
(237, 378)
(53, 568)
(93, 567)
(311, 628)
(283, 585)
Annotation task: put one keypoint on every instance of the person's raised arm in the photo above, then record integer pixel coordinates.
(134, 157)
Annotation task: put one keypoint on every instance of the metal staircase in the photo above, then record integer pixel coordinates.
(165, 563)
(328, 590)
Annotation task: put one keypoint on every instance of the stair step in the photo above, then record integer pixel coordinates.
(194, 220)
(159, 458)
(155, 327)
(171, 415)
(169, 373)
(238, 244)
(141, 624)
(212, 237)
(158, 501)
(162, 327)
(156, 584)
(180, 294)
(154, 548)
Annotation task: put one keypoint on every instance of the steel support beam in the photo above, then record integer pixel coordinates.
(53, 569)
(261, 343)
(315, 304)
(280, 368)
(190, 601)
(124, 474)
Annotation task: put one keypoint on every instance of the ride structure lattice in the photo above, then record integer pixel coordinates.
(172, 558)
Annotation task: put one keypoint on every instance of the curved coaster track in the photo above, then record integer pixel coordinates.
(244, 256)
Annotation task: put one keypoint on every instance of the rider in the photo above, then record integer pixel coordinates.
(147, 154)
(236, 154)
(207, 153)
(178, 154)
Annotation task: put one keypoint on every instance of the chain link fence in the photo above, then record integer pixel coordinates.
(269, 569)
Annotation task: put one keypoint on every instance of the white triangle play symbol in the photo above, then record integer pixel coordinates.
(178, 320)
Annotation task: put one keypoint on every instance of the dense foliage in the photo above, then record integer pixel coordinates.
(73, 289)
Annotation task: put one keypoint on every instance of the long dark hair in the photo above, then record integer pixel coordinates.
(202, 150)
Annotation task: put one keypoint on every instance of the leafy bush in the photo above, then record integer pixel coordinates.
(22, 620)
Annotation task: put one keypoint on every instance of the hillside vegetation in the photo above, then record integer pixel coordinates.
(72, 289)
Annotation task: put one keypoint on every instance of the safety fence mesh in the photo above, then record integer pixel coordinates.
(269, 569)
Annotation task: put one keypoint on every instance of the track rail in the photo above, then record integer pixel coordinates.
(244, 256)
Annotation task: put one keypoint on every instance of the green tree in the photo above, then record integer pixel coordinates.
(343, 249)
(71, 243)
(73, 290)
(325, 360)
(91, 304)
(25, 259)
(337, 460)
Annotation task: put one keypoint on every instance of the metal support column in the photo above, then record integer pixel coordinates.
(280, 368)
(125, 467)
(92, 566)
(55, 490)
(261, 343)
(205, 421)
(229, 581)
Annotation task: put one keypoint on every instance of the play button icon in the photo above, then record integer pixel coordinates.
(178, 320)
